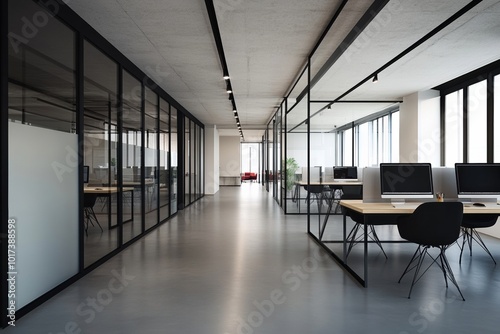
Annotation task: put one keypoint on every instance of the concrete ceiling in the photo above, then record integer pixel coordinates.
(267, 44)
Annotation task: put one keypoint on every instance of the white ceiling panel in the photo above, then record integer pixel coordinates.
(267, 43)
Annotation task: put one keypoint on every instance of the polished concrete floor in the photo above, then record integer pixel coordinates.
(233, 263)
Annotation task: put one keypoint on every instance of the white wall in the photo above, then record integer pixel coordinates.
(211, 160)
(43, 200)
(229, 156)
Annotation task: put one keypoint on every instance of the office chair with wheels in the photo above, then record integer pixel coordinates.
(89, 216)
(432, 224)
(356, 234)
(469, 225)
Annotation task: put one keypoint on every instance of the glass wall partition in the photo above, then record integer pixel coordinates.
(89, 165)
(100, 154)
(174, 160)
(164, 152)
(187, 161)
(270, 161)
(296, 157)
(193, 176)
(151, 158)
(43, 153)
(132, 139)
(277, 160)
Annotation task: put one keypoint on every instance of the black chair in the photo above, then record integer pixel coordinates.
(89, 201)
(469, 225)
(356, 234)
(317, 192)
(432, 224)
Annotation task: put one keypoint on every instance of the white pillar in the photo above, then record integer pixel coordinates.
(420, 139)
(211, 160)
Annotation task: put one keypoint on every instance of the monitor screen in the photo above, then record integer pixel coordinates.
(85, 174)
(480, 180)
(406, 180)
(345, 173)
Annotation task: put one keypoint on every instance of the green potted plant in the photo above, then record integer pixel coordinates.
(291, 168)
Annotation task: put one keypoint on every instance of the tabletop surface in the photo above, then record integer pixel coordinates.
(104, 190)
(331, 183)
(409, 207)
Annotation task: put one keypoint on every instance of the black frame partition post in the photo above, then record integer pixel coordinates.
(119, 157)
(81, 146)
(180, 168)
(143, 156)
(157, 173)
(4, 154)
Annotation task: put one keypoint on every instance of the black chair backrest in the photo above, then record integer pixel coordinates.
(352, 192)
(89, 200)
(315, 189)
(432, 223)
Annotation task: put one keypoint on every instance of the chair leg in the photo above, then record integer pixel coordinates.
(475, 235)
(417, 269)
(415, 256)
(372, 235)
(470, 234)
(92, 217)
(449, 272)
(377, 240)
(352, 238)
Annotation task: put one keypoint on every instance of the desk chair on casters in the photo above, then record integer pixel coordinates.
(432, 224)
(89, 216)
(469, 225)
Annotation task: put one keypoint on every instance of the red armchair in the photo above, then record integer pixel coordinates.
(248, 176)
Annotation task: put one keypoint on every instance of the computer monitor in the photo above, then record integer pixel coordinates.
(478, 180)
(349, 173)
(85, 174)
(400, 181)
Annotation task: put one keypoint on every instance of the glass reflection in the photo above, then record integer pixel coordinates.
(100, 154)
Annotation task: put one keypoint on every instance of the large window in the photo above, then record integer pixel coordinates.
(375, 141)
(476, 122)
(250, 157)
(454, 128)
(472, 117)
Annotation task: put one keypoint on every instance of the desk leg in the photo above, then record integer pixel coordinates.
(365, 274)
(327, 215)
(132, 204)
(344, 253)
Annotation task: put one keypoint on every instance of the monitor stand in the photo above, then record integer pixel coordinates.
(397, 201)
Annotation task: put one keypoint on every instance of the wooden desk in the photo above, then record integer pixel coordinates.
(369, 210)
(107, 192)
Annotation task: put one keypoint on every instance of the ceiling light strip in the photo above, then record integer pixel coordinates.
(222, 57)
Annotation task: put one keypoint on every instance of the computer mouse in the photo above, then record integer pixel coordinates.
(478, 204)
